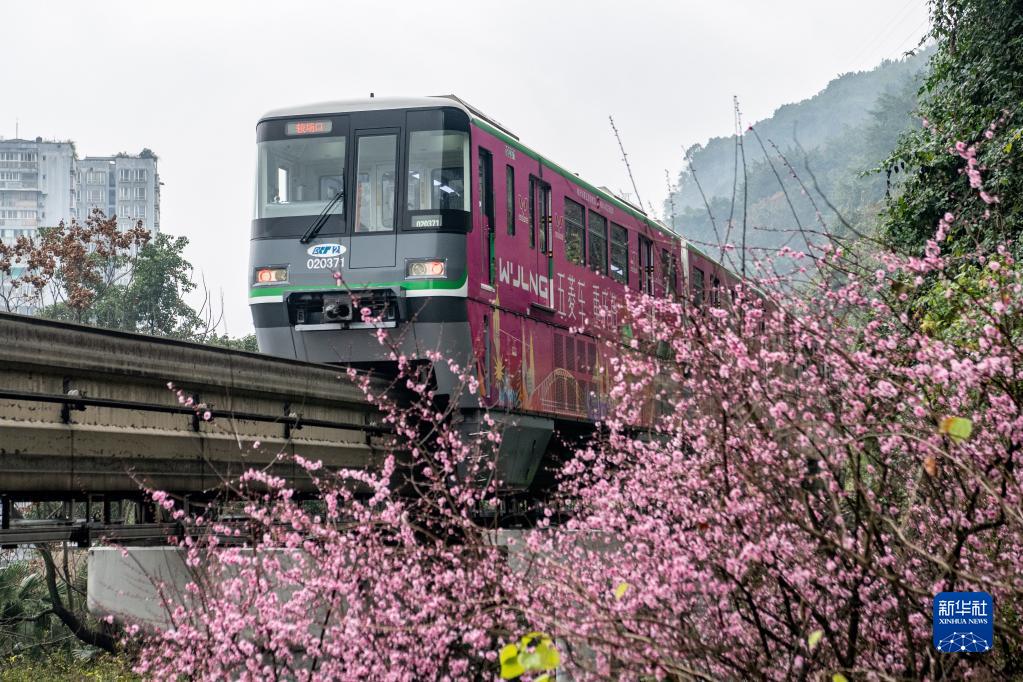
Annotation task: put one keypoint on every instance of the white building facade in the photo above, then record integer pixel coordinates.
(38, 185)
(125, 186)
(43, 182)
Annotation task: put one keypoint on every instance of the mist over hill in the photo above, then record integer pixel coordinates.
(840, 133)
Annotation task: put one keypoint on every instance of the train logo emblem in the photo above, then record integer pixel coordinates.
(326, 250)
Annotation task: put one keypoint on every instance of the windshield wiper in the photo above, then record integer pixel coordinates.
(321, 219)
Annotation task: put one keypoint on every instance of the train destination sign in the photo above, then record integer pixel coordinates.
(308, 127)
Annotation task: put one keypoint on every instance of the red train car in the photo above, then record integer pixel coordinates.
(463, 240)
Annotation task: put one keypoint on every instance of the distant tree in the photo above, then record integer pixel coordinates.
(247, 342)
(152, 301)
(96, 273)
(24, 272)
(91, 260)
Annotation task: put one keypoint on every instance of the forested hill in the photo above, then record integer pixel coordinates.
(845, 129)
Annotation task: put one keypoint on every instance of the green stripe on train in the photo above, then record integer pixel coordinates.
(413, 285)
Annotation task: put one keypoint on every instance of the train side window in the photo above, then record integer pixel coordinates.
(646, 266)
(620, 253)
(532, 212)
(575, 232)
(697, 287)
(545, 218)
(598, 243)
(668, 273)
(509, 184)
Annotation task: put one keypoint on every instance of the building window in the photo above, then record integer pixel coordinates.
(124, 174)
(575, 232)
(124, 192)
(620, 253)
(715, 291)
(140, 192)
(509, 185)
(140, 175)
(140, 211)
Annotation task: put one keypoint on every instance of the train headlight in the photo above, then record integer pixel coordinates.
(425, 269)
(271, 275)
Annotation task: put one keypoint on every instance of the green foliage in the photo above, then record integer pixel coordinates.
(28, 627)
(974, 81)
(535, 652)
(247, 342)
(130, 281)
(943, 306)
(25, 621)
(152, 301)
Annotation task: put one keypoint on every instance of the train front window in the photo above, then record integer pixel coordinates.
(300, 177)
(437, 160)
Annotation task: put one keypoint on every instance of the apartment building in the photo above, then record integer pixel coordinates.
(43, 182)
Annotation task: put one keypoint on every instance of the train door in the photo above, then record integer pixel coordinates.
(486, 205)
(544, 239)
(374, 201)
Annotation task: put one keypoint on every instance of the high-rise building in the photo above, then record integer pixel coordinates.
(38, 185)
(122, 185)
(43, 182)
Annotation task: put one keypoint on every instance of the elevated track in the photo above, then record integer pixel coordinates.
(86, 413)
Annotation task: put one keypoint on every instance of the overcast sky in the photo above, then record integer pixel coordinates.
(190, 79)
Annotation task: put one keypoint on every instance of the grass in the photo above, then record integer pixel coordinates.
(63, 667)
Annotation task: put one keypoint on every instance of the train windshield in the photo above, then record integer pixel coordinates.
(299, 177)
(436, 170)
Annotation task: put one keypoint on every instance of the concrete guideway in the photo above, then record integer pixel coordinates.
(87, 412)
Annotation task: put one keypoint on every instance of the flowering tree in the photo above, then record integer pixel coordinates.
(806, 494)
(784, 483)
(380, 574)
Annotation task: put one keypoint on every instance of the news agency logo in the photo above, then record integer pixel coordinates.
(964, 622)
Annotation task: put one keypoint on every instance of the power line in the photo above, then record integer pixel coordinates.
(898, 20)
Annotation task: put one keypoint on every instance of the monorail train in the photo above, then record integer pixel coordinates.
(462, 240)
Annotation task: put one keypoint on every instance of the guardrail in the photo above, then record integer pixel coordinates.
(87, 412)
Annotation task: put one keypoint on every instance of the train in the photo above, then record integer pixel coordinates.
(459, 239)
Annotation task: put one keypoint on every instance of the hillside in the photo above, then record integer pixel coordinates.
(840, 133)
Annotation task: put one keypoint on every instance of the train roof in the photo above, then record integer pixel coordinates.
(363, 104)
(483, 120)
